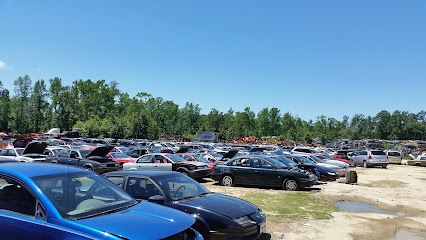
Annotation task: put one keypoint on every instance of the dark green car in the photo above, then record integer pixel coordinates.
(261, 171)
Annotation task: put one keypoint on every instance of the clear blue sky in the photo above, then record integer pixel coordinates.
(328, 57)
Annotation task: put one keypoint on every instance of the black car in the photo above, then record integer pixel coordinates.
(323, 173)
(217, 216)
(261, 171)
(93, 160)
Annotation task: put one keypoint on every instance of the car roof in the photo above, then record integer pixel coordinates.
(37, 169)
(142, 173)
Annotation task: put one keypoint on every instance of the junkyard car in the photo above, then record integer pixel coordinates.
(33, 152)
(370, 158)
(49, 202)
(93, 160)
(169, 162)
(217, 216)
(261, 171)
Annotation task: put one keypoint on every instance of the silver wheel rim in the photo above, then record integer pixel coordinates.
(291, 185)
(227, 181)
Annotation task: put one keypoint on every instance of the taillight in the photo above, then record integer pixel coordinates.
(369, 157)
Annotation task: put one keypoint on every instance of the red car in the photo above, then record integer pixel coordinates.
(341, 158)
(122, 158)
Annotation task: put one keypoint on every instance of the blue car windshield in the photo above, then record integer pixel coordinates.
(83, 195)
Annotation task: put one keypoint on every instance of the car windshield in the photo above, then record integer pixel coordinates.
(286, 161)
(276, 163)
(200, 159)
(83, 195)
(175, 158)
(305, 160)
(119, 155)
(317, 159)
(179, 186)
(84, 153)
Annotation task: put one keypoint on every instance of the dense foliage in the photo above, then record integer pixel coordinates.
(100, 109)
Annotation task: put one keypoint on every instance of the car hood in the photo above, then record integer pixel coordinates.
(194, 163)
(337, 163)
(35, 148)
(100, 151)
(329, 166)
(143, 221)
(221, 204)
(231, 153)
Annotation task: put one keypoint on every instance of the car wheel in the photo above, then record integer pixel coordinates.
(385, 166)
(88, 168)
(290, 185)
(365, 164)
(227, 181)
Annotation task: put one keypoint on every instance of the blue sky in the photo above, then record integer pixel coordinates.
(327, 57)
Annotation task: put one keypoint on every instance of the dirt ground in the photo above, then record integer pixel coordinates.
(398, 189)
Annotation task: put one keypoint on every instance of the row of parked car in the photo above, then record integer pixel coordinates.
(153, 189)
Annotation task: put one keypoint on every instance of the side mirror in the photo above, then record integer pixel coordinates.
(158, 199)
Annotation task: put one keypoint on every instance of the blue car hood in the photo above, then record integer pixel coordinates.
(221, 204)
(143, 221)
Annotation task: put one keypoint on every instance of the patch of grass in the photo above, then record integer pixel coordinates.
(295, 206)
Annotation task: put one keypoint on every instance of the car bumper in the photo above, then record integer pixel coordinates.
(200, 173)
(215, 177)
(377, 163)
(307, 183)
(247, 233)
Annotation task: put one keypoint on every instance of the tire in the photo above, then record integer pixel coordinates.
(365, 164)
(385, 166)
(227, 181)
(88, 168)
(290, 185)
(54, 162)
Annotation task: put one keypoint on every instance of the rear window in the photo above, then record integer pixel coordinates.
(378, 153)
(394, 154)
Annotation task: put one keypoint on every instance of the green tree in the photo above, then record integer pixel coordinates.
(21, 104)
(5, 109)
(38, 106)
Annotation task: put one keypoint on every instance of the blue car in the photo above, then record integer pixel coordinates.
(41, 202)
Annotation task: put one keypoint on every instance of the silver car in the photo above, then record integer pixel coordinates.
(370, 158)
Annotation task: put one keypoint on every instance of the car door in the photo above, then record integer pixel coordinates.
(62, 157)
(263, 173)
(23, 217)
(144, 163)
(242, 171)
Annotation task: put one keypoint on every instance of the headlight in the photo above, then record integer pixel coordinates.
(331, 173)
(244, 221)
(103, 165)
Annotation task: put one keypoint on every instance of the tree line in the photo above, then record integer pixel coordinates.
(100, 109)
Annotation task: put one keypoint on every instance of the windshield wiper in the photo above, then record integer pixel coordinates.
(105, 212)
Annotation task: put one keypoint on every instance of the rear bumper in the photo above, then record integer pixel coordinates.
(377, 163)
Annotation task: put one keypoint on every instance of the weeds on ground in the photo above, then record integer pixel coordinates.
(295, 206)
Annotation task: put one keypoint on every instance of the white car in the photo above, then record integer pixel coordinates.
(169, 162)
(33, 152)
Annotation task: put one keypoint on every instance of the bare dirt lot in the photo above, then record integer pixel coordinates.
(397, 194)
